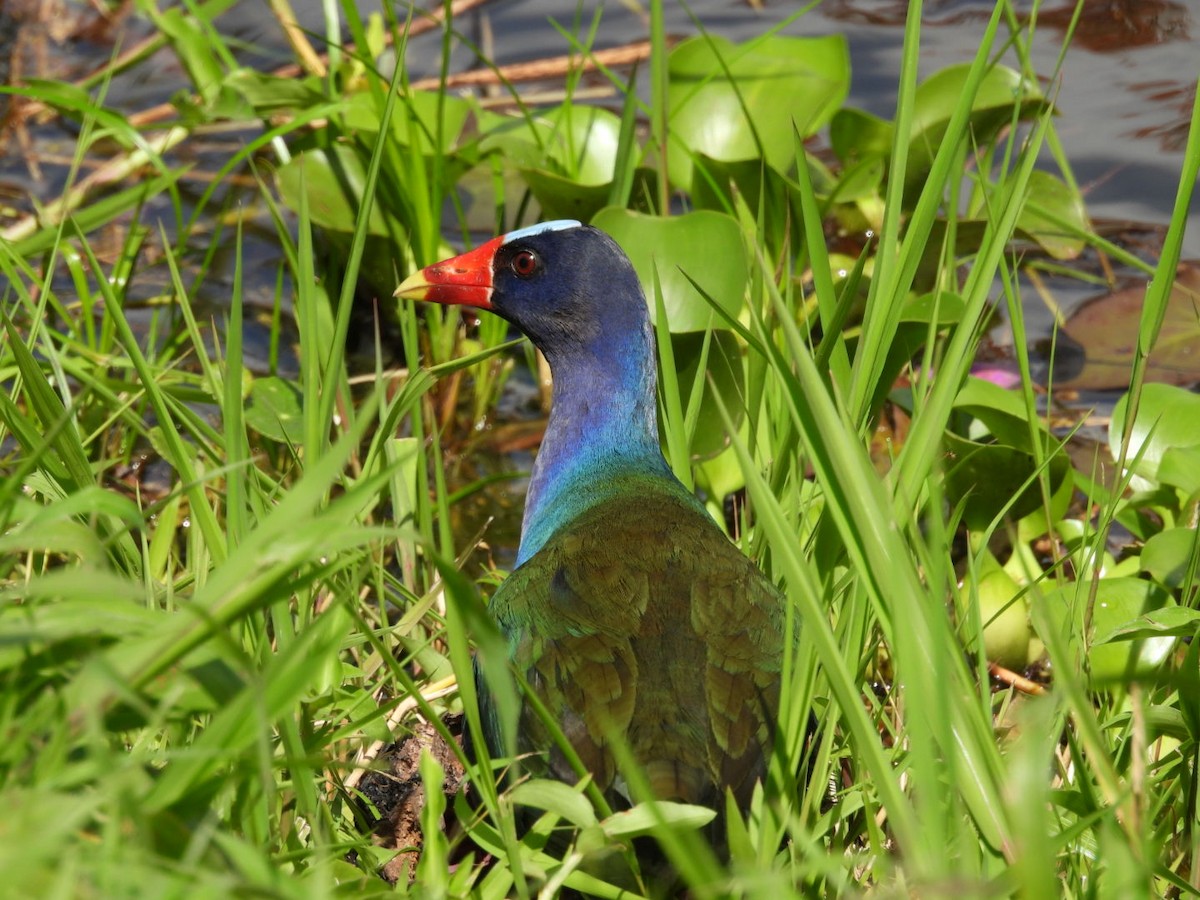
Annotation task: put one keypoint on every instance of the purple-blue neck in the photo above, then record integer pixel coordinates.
(602, 428)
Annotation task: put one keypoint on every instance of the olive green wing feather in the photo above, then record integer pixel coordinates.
(641, 623)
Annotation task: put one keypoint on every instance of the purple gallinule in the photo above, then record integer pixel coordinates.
(629, 613)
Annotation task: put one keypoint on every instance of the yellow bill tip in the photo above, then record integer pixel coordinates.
(415, 287)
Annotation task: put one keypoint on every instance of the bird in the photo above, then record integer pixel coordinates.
(635, 621)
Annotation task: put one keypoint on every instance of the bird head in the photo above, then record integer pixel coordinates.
(564, 284)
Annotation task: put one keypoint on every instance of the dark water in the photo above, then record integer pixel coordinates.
(1124, 96)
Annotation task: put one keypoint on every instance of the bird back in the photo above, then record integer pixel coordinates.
(639, 623)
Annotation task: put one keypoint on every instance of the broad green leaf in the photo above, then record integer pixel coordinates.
(556, 797)
(1180, 468)
(1001, 411)
(1004, 617)
(857, 136)
(937, 97)
(861, 181)
(1050, 203)
(780, 85)
(1173, 621)
(1120, 604)
(580, 143)
(1167, 417)
(720, 185)
(705, 246)
(645, 817)
(567, 157)
(414, 120)
(265, 95)
(583, 142)
(1167, 555)
(988, 478)
(333, 180)
(276, 410)
(722, 475)
(563, 198)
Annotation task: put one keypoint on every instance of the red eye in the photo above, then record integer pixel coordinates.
(525, 264)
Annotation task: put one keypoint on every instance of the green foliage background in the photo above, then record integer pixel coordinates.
(194, 679)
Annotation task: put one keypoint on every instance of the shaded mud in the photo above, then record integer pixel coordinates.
(398, 794)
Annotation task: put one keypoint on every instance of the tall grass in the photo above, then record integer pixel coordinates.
(193, 676)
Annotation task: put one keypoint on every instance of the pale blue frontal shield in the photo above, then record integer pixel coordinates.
(556, 225)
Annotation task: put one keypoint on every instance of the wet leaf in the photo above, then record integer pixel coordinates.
(1167, 555)
(1168, 417)
(780, 85)
(986, 477)
(333, 180)
(1121, 604)
(707, 246)
(1050, 203)
(275, 410)
(856, 135)
(939, 95)
(1107, 329)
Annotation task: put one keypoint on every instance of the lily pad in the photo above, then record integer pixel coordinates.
(563, 198)
(1116, 654)
(1167, 555)
(856, 135)
(333, 179)
(735, 102)
(716, 185)
(1053, 216)
(1001, 411)
(414, 120)
(275, 410)
(1107, 330)
(986, 477)
(567, 156)
(584, 142)
(703, 246)
(1000, 91)
(1176, 621)
(1180, 468)
(1168, 417)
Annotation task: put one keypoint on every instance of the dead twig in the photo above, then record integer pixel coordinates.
(1011, 678)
